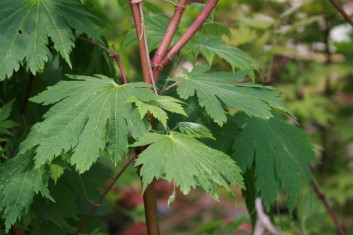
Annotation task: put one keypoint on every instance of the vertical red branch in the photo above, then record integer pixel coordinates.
(140, 32)
(168, 37)
(149, 197)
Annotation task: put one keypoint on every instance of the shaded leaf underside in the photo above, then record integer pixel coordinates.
(280, 154)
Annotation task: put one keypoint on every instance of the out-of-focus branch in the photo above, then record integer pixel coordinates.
(264, 223)
(99, 201)
(323, 198)
(343, 13)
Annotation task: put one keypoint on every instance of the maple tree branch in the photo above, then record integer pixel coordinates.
(168, 87)
(105, 192)
(104, 48)
(136, 8)
(263, 221)
(343, 13)
(168, 37)
(323, 198)
(112, 54)
(151, 213)
(195, 26)
(116, 56)
(149, 196)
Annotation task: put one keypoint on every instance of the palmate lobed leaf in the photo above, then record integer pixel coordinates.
(218, 90)
(280, 154)
(25, 26)
(187, 162)
(19, 182)
(157, 105)
(6, 124)
(212, 46)
(195, 130)
(78, 120)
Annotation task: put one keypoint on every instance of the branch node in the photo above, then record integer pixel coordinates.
(176, 5)
(135, 1)
(157, 66)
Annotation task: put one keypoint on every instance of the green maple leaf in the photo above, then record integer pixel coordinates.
(19, 182)
(186, 161)
(25, 26)
(218, 90)
(195, 130)
(280, 154)
(6, 124)
(156, 106)
(78, 120)
(216, 28)
(210, 47)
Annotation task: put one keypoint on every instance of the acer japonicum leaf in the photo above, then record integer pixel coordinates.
(212, 46)
(219, 90)
(157, 105)
(278, 152)
(88, 114)
(26, 25)
(19, 182)
(5, 123)
(187, 162)
(195, 130)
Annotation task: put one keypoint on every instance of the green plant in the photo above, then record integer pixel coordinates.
(177, 137)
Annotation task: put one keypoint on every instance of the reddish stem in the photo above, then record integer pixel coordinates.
(116, 56)
(149, 196)
(168, 87)
(136, 9)
(149, 201)
(195, 26)
(105, 192)
(168, 37)
(343, 13)
(112, 54)
(323, 198)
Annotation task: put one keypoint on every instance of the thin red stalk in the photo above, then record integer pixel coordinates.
(343, 13)
(149, 196)
(94, 43)
(116, 56)
(105, 192)
(168, 87)
(168, 37)
(195, 26)
(323, 198)
(112, 54)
